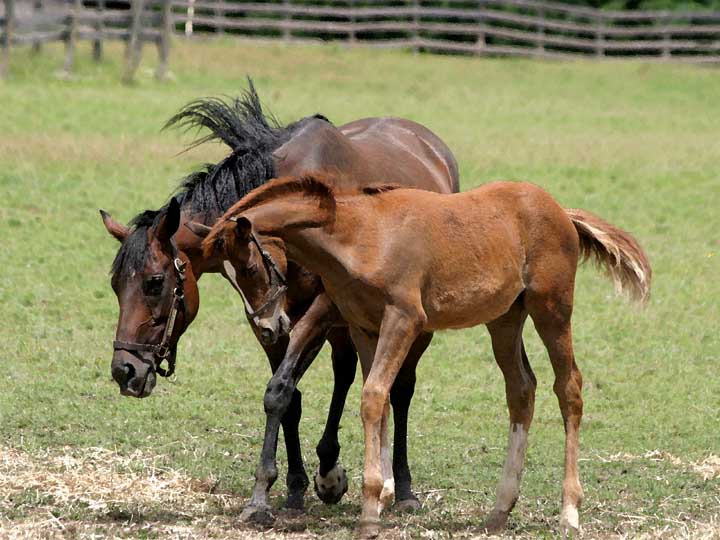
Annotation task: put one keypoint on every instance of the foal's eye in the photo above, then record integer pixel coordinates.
(249, 271)
(153, 285)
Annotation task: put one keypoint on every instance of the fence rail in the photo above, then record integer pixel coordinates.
(482, 27)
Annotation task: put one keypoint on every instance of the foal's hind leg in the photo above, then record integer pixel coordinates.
(520, 384)
(551, 312)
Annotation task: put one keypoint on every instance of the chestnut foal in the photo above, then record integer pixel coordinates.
(386, 261)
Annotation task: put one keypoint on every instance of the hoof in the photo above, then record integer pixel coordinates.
(332, 487)
(496, 522)
(368, 528)
(295, 501)
(570, 522)
(260, 515)
(407, 506)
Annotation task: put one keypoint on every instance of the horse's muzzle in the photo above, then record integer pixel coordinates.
(135, 377)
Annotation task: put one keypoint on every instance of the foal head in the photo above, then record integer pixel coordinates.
(256, 265)
(158, 298)
(255, 256)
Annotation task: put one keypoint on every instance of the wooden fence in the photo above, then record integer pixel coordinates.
(41, 21)
(481, 27)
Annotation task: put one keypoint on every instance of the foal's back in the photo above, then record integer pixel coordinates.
(466, 257)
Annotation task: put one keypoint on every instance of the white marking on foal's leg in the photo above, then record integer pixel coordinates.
(508, 489)
(387, 495)
(569, 520)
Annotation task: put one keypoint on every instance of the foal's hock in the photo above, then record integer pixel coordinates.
(400, 262)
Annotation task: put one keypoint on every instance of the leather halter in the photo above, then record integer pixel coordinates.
(161, 351)
(272, 268)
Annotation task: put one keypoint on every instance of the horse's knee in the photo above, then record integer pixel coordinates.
(281, 399)
(372, 408)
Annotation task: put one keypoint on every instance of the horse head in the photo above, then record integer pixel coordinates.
(157, 294)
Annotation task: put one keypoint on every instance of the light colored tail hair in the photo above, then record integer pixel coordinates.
(614, 250)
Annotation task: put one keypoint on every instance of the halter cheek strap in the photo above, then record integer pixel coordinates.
(161, 351)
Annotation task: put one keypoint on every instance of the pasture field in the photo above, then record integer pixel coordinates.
(638, 144)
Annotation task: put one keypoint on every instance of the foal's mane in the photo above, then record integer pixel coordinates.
(252, 137)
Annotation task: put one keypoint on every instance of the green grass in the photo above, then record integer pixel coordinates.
(638, 144)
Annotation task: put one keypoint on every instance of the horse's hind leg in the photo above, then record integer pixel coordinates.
(400, 396)
(551, 311)
(520, 384)
(330, 479)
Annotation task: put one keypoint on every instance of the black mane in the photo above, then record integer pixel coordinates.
(251, 135)
(131, 255)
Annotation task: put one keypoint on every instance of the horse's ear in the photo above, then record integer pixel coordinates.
(243, 228)
(116, 229)
(199, 229)
(169, 222)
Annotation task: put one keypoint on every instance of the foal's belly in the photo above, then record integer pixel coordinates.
(474, 301)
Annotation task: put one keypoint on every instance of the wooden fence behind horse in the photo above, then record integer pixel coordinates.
(479, 27)
(41, 21)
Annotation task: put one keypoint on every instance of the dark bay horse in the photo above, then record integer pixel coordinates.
(398, 263)
(156, 269)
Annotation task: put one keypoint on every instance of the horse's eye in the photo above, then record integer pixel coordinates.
(153, 286)
(249, 271)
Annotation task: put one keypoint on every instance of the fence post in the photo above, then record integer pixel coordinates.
(666, 50)
(7, 39)
(286, 18)
(219, 15)
(37, 43)
(71, 37)
(541, 30)
(134, 43)
(599, 33)
(416, 26)
(164, 40)
(100, 31)
(351, 34)
(480, 43)
(190, 14)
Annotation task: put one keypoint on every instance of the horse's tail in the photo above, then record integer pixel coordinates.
(615, 250)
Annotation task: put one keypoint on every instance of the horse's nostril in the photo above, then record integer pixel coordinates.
(129, 370)
(123, 373)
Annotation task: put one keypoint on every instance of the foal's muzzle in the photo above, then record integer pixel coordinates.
(272, 329)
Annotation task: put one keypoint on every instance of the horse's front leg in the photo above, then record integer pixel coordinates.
(283, 404)
(330, 479)
(398, 331)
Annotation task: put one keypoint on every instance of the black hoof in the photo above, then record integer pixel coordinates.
(260, 515)
(407, 506)
(296, 501)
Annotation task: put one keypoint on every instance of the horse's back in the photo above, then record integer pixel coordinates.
(371, 151)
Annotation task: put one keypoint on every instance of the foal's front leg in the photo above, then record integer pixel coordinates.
(398, 331)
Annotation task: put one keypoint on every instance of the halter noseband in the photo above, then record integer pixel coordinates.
(161, 351)
(272, 268)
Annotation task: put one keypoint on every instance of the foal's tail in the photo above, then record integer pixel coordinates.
(615, 250)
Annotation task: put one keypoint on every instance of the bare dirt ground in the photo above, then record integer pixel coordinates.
(96, 493)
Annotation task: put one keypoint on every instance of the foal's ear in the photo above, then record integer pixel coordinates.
(116, 229)
(199, 229)
(243, 228)
(169, 222)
